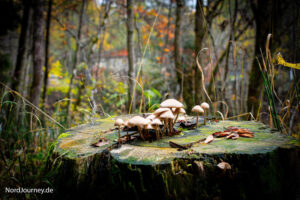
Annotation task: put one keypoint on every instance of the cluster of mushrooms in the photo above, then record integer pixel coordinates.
(167, 115)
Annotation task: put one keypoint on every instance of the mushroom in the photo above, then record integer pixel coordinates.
(119, 122)
(197, 109)
(127, 127)
(148, 127)
(167, 116)
(178, 111)
(139, 122)
(151, 117)
(205, 106)
(172, 103)
(156, 123)
(181, 119)
(159, 111)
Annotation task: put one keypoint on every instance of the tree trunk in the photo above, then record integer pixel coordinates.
(130, 49)
(22, 46)
(38, 58)
(199, 35)
(263, 15)
(47, 46)
(268, 164)
(75, 62)
(177, 46)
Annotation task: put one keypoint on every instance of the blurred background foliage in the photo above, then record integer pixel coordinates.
(64, 63)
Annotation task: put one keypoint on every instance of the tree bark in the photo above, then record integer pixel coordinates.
(130, 49)
(38, 58)
(199, 35)
(22, 46)
(75, 61)
(177, 45)
(47, 46)
(262, 11)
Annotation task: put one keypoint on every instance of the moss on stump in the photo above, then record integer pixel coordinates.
(266, 166)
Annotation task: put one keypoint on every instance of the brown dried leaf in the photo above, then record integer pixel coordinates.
(233, 136)
(221, 134)
(101, 142)
(246, 135)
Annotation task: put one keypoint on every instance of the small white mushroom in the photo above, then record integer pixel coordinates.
(171, 103)
(197, 109)
(181, 119)
(156, 123)
(140, 122)
(119, 122)
(205, 107)
(159, 111)
(167, 116)
(151, 117)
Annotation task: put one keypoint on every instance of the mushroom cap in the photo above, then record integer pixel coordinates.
(171, 103)
(148, 126)
(137, 121)
(181, 118)
(205, 105)
(197, 109)
(156, 122)
(151, 117)
(167, 115)
(119, 122)
(126, 123)
(160, 111)
(178, 111)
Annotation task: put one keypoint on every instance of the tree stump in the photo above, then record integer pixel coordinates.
(266, 166)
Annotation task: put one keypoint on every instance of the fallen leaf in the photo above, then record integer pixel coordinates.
(246, 135)
(221, 134)
(101, 142)
(209, 139)
(233, 136)
(241, 131)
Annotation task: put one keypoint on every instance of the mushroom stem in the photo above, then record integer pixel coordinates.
(140, 132)
(165, 127)
(170, 126)
(204, 116)
(119, 135)
(197, 119)
(156, 131)
(127, 134)
(176, 119)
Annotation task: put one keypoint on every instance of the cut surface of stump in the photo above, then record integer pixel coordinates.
(142, 168)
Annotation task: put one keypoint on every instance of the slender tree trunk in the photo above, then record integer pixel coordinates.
(75, 61)
(47, 46)
(262, 11)
(177, 44)
(38, 57)
(22, 46)
(130, 49)
(101, 33)
(199, 35)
